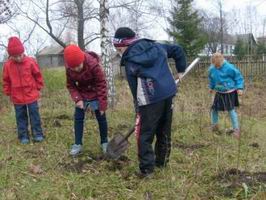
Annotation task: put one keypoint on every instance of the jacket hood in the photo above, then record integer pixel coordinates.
(143, 52)
(91, 58)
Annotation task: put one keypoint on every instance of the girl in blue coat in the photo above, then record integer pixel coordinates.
(226, 81)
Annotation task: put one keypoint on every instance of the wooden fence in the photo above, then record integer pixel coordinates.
(249, 66)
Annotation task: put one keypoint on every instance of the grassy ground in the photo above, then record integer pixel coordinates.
(203, 165)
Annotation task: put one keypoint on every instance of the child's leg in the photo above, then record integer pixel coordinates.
(214, 117)
(79, 125)
(163, 136)
(234, 119)
(102, 122)
(150, 116)
(35, 119)
(22, 121)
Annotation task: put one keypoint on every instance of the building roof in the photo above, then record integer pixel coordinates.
(51, 50)
(247, 37)
(261, 40)
(230, 39)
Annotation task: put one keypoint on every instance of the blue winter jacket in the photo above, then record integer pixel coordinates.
(225, 78)
(148, 74)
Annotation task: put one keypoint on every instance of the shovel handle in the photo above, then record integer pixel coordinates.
(129, 132)
(195, 61)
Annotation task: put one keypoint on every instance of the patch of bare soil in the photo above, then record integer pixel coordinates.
(233, 179)
(91, 164)
(118, 164)
(254, 145)
(181, 145)
(237, 177)
(64, 116)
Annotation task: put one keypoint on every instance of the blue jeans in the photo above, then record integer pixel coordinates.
(79, 121)
(22, 119)
(233, 117)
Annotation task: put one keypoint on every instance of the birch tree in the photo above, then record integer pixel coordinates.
(105, 50)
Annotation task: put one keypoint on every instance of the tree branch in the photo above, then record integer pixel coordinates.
(30, 33)
(88, 42)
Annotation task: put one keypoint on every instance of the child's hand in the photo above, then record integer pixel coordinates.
(80, 104)
(211, 91)
(178, 76)
(240, 92)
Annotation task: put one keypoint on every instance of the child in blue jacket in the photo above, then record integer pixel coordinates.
(227, 83)
(153, 87)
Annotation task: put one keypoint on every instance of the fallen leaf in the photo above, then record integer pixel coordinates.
(35, 169)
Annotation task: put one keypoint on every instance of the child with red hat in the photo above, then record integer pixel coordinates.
(22, 82)
(88, 89)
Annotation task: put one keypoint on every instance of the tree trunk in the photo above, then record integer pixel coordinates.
(222, 27)
(80, 22)
(105, 50)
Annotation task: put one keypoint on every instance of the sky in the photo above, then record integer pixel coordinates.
(228, 5)
(257, 17)
(157, 30)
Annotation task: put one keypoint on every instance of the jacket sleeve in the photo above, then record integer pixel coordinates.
(36, 72)
(132, 78)
(211, 80)
(177, 53)
(74, 93)
(238, 78)
(6, 81)
(101, 87)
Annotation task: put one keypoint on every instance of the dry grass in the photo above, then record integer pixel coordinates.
(199, 157)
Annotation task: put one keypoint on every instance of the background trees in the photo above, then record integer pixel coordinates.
(185, 27)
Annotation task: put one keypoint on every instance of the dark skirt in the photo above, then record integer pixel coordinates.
(225, 101)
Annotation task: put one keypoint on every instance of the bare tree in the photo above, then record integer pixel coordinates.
(264, 26)
(218, 8)
(28, 36)
(220, 4)
(211, 27)
(138, 15)
(37, 9)
(25, 33)
(5, 11)
(79, 13)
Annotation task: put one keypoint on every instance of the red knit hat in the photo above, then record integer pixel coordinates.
(73, 56)
(15, 46)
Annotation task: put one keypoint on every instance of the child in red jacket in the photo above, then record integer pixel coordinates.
(22, 82)
(87, 86)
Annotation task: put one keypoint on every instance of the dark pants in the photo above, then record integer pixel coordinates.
(22, 120)
(155, 119)
(79, 125)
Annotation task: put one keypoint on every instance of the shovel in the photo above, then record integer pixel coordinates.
(119, 144)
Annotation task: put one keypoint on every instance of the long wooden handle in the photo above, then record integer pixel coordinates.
(129, 132)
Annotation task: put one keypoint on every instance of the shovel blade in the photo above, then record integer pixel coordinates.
(117, 146)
